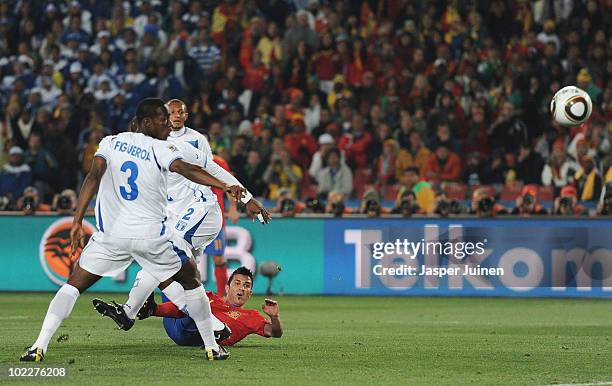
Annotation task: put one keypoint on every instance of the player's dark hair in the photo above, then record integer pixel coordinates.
(149, 108)
(240, 271)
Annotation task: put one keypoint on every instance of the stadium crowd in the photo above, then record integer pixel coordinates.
(433, 106)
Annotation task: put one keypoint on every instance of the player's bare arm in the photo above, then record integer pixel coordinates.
(200, 176)
(232, 213)
(275, 328)
(89, 188)
(254, 207)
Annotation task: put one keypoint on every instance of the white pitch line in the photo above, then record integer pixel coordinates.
(582, 384)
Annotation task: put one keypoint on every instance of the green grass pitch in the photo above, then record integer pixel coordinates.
(338, 340)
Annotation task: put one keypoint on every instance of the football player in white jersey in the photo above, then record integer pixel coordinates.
(193, 210)
(196, 224)
(129, 172)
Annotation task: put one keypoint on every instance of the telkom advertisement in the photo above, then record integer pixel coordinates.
(398, 257)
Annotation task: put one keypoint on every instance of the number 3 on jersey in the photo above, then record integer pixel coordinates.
(132, 168)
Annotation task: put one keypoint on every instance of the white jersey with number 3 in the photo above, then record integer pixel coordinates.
(132, 199)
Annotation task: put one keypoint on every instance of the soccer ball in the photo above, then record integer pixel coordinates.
(571, 106)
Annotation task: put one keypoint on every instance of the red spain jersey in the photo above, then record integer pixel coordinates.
(218, 192)
(241, 321)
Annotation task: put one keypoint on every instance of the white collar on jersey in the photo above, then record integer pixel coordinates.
(179, 132)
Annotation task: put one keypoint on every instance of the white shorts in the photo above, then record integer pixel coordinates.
(162, 257)
(198, 224)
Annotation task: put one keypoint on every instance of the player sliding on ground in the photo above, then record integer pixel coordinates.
(228, 309)
(194, 214)
(130, 170)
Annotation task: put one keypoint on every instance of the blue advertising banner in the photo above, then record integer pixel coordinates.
(568, 258)
(406, 257)
(35, 255)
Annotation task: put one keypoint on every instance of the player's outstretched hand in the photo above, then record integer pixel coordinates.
(236, 191)
(270, 307)
(77, 237)
(255, 208)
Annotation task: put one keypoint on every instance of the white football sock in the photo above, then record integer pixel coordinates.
(216, 323)
(59, 309)
(143, 286)
(176, 293)
(199, 311)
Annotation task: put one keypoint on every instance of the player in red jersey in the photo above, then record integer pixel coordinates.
(217, 247)
(229, 310)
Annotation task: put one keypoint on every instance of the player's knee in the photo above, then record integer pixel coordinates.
(164, 284)
(187, 276)
(82, 279)
(189, 283)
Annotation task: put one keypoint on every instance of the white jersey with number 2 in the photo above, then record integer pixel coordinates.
(182, 193)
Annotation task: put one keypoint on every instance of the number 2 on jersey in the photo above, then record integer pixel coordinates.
(187, 216)
(133, 174)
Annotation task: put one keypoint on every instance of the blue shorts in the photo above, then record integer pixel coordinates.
(217, 247)
(183, 331)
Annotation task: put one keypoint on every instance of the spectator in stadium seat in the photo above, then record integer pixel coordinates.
(335, 204)
(402, 133)
(15, 176)
(184, 67)
(381, 133)
(473, 172)
(560, 169)
(286, 204)
(443, 165)
(89, 149)
(584, 80)
(206, 54)
(336, 176)
(30, 202)
(496, 170)
(300, 144)
(326, 61)
(527, 203)
(386, 163)
(270, 45)
(339, 92)
(216, 138)
(120, 113)
(484, 205)
(567, 202)
(42, 163)
(151, 50)
(165, 85)
(326, 143)
(263, 142)
(405, 204)
(238, 154)
(508, 131)
(416, 155)
(251, 174)
(443, 135)
(411, 181)
(529, 166)
(22, 127)
(282, 173)
(588, 180)
(356, 144)
(312, 114)
(299, 32)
